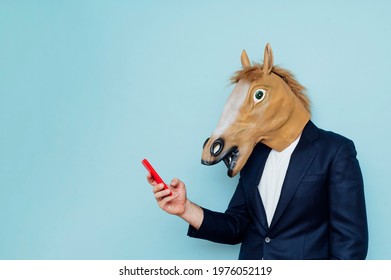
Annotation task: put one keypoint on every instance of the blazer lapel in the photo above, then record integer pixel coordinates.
(257, 170)
(299, 163)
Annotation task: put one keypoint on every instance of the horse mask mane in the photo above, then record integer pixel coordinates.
(267, 105)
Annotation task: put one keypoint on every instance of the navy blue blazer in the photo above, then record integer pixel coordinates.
(321, 211)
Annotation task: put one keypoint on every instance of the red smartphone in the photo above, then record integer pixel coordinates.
(154, 174)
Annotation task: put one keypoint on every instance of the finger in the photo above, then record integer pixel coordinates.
(176, 183)
(161, 194)
(157, 188)
(167, 199)
(151, 180)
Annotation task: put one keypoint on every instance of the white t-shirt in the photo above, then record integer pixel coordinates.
(273, 177)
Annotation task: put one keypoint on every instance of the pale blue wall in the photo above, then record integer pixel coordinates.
(89, 88)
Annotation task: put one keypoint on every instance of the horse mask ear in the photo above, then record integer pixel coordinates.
(244, 59)
(268, 59)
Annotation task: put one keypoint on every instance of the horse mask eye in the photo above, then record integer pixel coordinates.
(259, 95)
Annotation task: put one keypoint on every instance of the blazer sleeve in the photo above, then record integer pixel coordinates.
(227, 227)
(347, 212)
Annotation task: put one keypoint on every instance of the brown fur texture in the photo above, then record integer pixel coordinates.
(253, 73)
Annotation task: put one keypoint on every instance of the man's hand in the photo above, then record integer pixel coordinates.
(173, 204)
(177, 203)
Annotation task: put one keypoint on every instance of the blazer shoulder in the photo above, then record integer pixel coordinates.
(331, 142)
(326, 136)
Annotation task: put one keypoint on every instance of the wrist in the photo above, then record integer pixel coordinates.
(193, 214)
(187, 210)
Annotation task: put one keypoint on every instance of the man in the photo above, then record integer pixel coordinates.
(300, 193)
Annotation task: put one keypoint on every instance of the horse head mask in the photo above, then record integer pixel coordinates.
(266, 105)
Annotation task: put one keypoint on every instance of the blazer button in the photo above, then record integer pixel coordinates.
(267, 239)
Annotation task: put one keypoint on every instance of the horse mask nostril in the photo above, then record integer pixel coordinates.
(217, 147)
(206, 141)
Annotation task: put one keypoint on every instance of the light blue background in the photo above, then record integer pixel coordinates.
(90, 88)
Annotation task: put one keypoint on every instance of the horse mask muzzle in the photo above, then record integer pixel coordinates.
(217, 152)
